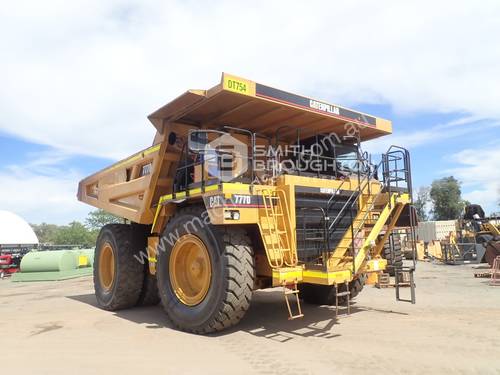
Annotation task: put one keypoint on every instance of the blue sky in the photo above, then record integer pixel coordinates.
(79, 78)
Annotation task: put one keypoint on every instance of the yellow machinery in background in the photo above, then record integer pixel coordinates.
(247, 187)
(470, 240)
(482, 230)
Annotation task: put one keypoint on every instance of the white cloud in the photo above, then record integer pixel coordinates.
(431, 134)
(478, 171)
(82, 75)
(42, 190)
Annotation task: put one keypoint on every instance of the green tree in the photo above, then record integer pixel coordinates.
(421, 203)
(99, 218)
(75, 233)
(46, 233)
(446, 197)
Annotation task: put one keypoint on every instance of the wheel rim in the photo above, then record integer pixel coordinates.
(107, 266)
(190, 270)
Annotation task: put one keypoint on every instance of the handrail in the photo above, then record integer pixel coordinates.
(357, 193)
(328, 204)
(395, 154)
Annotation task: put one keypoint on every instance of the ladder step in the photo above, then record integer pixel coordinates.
(288, 291)
(271, 229)
(341, 294)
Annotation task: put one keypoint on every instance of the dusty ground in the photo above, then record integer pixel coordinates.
(55, 328)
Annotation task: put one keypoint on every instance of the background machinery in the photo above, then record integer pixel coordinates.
(10, 259)
(484, 231)
(9, 263)
(247, 187)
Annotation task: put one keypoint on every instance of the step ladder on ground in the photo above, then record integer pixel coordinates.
(403, 276)
(291, 290)
(346, 293)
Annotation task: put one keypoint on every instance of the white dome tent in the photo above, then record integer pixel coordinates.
(15, 231)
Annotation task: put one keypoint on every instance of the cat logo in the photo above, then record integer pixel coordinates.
(215, 201)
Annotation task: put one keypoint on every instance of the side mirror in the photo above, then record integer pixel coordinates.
(349, 139)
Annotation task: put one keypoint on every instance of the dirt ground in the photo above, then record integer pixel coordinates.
(56, 328)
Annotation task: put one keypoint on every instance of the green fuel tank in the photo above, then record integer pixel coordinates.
(49, 261)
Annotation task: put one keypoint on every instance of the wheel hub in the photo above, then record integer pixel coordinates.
(190, 270)
(107, 266)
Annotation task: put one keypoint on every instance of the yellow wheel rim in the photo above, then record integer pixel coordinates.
(190, 270)
(107, 266)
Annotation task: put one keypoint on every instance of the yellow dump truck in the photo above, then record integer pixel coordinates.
(248, 187)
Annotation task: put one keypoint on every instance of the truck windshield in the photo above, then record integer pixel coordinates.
(346, 157)
(335, 158)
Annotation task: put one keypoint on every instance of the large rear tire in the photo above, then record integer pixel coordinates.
(118, 274)
(149, 291)
(205, 273)
(393, 253)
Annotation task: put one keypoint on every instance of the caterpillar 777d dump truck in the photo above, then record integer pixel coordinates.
(248, 187)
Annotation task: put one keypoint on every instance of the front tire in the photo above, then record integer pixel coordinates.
(205, 273)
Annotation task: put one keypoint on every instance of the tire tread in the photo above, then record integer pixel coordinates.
(129, 276)
(239, 279)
